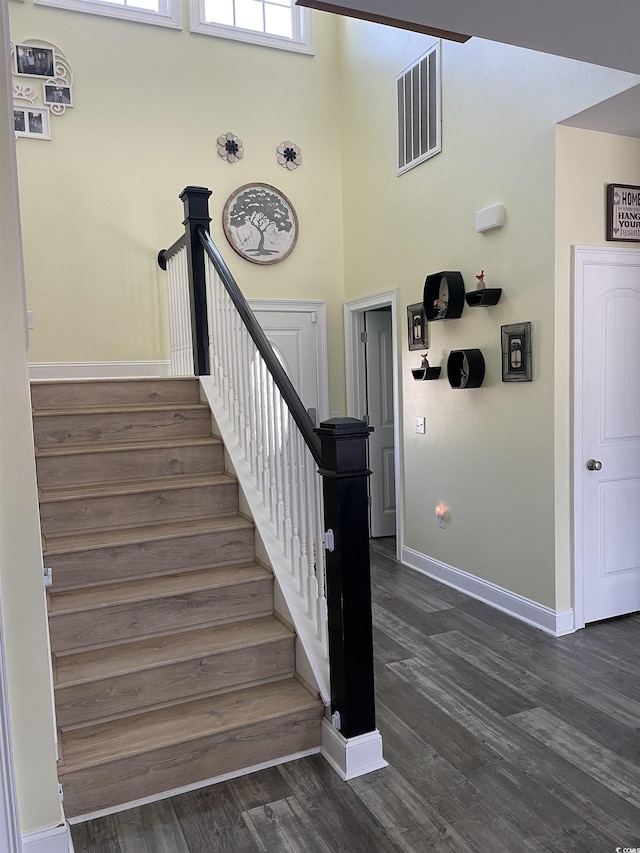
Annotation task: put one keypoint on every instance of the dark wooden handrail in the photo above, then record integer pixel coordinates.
(165, 254)
(289, 393)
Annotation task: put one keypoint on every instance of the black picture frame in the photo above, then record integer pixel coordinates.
(516, 352)
(623, 209)
(417, 328)
(34, 60)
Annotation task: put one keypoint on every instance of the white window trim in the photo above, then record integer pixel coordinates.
(169, 16)
(302, 42)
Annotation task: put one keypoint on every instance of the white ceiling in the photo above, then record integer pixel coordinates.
(603, 32)
(620, 115)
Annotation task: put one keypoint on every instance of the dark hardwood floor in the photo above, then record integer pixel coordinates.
(499, 739)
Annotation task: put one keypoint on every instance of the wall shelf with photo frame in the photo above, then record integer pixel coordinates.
(42, 87)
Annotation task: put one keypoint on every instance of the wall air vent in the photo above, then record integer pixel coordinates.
(419, 116)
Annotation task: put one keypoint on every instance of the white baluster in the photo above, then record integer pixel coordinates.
(251, 392)
(303, 517)
(273, 449)
(313, 544)
(293, 484)
(321, 562)
(286, 478)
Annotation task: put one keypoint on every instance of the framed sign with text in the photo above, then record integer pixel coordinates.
(623, 213)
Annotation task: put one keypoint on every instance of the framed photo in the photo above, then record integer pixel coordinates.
(32, 122)
(260, 223)
(623, 213)
(53, 94)
(516, 352)
(34, 61)
(417, 328)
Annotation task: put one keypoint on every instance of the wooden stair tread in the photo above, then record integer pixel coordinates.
(142, 589)
(134, 735)
(123, 446)
(128, 487)
(112, 410)
(78, 667)
(112, 537)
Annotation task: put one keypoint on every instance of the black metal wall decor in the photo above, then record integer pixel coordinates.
(444, 296)
(425, 371)
(465, 368)
(482, 295)
(417, 329)
(516, 352)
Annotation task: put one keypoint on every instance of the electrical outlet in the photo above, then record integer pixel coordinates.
(421, 426)
(442, 522)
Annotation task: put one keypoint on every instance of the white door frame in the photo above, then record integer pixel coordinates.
(582, 257)
(354, 368)
(322, 352)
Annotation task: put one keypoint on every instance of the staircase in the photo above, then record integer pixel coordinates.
(169, 665)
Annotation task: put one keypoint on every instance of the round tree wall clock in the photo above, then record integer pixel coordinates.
(260, 223)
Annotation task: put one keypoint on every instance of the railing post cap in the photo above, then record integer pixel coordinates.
(187, 191)
(342, 427)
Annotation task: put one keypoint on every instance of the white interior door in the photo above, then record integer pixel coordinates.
(379, 383)
(608, 430)
(299, 339)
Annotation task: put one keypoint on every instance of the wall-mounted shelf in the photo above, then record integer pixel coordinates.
(465, 368)
(424, 373)
(443, 296)
(488, 296)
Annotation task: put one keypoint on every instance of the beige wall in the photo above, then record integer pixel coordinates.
(100, 199)
(21, 582)
(585, 163)
(488, 453)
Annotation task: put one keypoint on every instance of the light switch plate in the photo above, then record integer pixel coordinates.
(421, 426)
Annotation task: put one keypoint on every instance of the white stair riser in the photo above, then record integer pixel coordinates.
(180, 764)
(122, 465)
(60, 395)
(141, 559)
(173, 681)
(98, 626)
(141, 508)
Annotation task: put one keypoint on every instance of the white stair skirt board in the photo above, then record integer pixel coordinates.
(314, 651)
(97, 369)
(554, 622)
(174, 792)
(351, 757)
(54, 839)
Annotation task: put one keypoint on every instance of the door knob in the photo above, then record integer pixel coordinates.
(594, 464)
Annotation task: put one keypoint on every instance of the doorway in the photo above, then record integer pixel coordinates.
(372, 394)
(606, 432)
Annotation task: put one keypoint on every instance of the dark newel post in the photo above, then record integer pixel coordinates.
(196, 215)
(344, 471)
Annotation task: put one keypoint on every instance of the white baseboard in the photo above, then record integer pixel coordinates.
(174, 792)
(97, 369)
(351, 757)
(54, 839)
(555, 622)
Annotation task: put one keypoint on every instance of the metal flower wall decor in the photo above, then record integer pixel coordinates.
(289, 155)
(230, 147)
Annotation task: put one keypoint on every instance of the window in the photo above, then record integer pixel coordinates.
(166, 13)
(419, 113)
(274, 23)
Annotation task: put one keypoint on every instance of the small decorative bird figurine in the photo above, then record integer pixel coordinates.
(480, 284)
